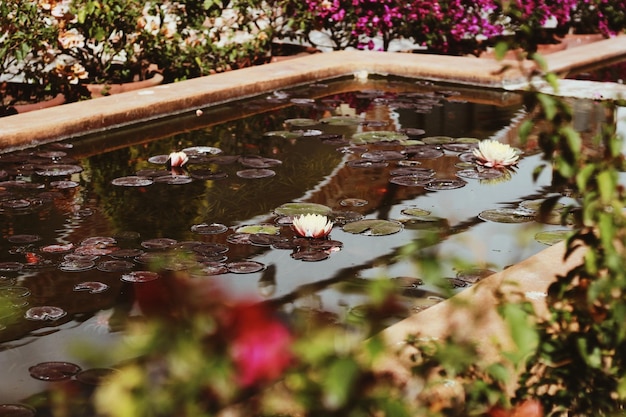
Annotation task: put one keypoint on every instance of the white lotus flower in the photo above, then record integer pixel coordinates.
(312, 225)
(494, 154)
(177, 160)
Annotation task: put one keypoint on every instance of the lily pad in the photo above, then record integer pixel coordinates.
(285, 134)
(209, 229)
(296, 209)
(437, 140)
(301, 122)
(379, 136)
(56, 170)
(244, 267)
(256, 173)
(373, 227)
(443, 184)
(551, 237)
(506, 215)
(268, 229)
(44, 313)
(140, 276)
(132, 181)
(415, 211)
(54, 371)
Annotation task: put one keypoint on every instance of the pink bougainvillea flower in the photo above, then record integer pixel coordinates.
(177, 160)
(316, 226)
(260, 346)
(494, 154)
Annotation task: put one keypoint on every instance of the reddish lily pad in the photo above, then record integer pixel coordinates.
(42, 313)
(92, 287)
(140, 276)
(444, 184)
(256, 173)
(54, 371)
(132, 181)
(244, 267)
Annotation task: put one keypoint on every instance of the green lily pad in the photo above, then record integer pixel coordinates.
(466, 140)
(285, 134)
(536, 205)
(379, 136)
(268, 229)
(373, 227)
(505, 215)
(550, 237)
(296, 209)
(414, 211)
(437, 140)
(301, 122)
(342, 120)
(426, 223)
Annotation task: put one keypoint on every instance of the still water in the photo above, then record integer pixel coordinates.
(83, 221)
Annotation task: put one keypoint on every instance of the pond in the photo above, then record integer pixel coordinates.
(388, 160)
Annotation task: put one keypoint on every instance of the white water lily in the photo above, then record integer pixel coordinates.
(312, 225)
(494, 154)
(177, 160)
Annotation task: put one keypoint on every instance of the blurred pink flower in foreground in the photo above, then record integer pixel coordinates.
(261, 344)
(494, 154)
(312, 225)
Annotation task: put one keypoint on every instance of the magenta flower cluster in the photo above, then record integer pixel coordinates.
(456, 26)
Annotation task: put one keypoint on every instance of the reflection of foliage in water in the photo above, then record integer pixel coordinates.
(165, 210)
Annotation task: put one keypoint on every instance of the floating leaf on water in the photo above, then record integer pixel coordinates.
(262, 239)
(353, 149)
(379, 136)
(158, 243)
(76, 265)
(115, 266)
(93, 287)
(211, 268)
(425, 222)
(373, 227)
(474, 275)
(535, 205)
(239, 239)
(342, 120)
(173, 179)
(158, 159)
(506, 215)
(408, 163)
(459, 147)
(209, 229)
(310, 255)
(413, 171)
(55, 170)
(13, 293)
(302, 101)
(259, 162)
(15, 204)
(308, 133)
(99, 241)
(413, 132)
(11, 266)
(437, 140)
(366, 163)
(256, 173)
(480, 174)
(296, 209)
(245, 267)
(383, 155)
(424, 152)
(300, 122)
(202, 150)
(341, 217)
(94, 250)
(17, 410)
(444, 184)
(94, 376)
(269, 229)
(44, 313)
(353, 202)
(132, 181)
(551, 237)
(62, 185)
(6, 282)
(414, 211)
(140, 276)
(286, 134)
(54, 371)
(456, 283)
(21, 239)
(409, 180)
(333, 139)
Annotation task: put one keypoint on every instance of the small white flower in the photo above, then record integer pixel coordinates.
(494, 154)
(312, 225)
